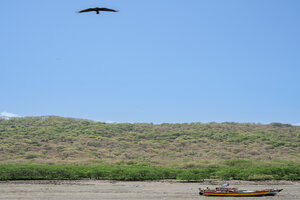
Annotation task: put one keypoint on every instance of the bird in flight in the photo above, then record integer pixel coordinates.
(97, 10)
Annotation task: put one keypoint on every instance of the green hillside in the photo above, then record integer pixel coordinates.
(58, 140)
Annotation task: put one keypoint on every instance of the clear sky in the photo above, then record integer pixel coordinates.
(154, 61)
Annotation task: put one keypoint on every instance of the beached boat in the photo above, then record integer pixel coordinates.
(234, 192)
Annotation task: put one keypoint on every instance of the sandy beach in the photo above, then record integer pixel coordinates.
(107, 190)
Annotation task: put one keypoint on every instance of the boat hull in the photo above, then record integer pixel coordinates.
(273, 192)
(236, 194)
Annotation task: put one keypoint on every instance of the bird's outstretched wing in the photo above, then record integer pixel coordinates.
(87, 10)
(107, 9)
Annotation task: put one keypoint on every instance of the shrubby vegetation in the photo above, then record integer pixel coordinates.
(68, 148)
(58, 140)
(138, 173)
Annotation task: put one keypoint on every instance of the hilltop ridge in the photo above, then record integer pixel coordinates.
(59, 140)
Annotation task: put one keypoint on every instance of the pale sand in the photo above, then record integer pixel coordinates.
(153, 190)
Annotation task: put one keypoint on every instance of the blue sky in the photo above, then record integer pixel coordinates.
(154, 61)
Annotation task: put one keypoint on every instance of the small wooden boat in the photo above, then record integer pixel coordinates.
(234, 192)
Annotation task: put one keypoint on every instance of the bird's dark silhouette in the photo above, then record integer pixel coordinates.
(97, 10)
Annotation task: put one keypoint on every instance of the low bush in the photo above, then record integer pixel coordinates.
(140, 173)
